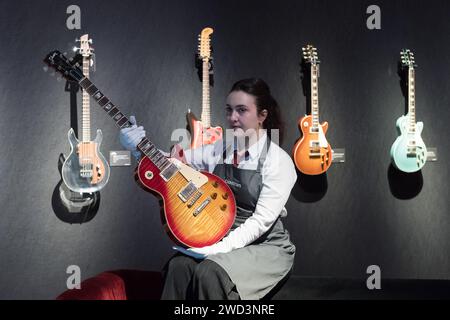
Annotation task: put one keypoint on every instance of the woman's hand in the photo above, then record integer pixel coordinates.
(131, 136)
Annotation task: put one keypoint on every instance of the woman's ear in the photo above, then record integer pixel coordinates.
(262, 116)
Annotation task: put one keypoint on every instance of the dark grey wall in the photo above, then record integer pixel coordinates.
(145, 55)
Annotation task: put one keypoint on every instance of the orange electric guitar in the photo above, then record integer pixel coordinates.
(201, 131)
(199, 207)
(312, 153)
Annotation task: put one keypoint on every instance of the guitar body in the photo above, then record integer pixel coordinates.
(406, 156)
(200, 135)
(85, 169)
(182, 220)
(312, 153)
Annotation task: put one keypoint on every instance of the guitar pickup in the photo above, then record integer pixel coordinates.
(412, 152)
(187, 191)
(168, 172)
(87, 170)
(313, 154)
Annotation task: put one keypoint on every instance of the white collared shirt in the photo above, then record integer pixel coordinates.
(278, 179)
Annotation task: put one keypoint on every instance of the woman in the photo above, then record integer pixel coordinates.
(257, 253)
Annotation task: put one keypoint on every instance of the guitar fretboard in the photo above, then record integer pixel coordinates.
(145, 146)
(86, 116)
(206, 108)
(315, 95)
(411, 100)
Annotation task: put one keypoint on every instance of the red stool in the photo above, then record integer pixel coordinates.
(118, 285)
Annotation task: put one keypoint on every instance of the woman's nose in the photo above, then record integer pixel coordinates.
(234, 116)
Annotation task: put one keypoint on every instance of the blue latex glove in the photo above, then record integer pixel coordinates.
(189, 252)
(130, 137)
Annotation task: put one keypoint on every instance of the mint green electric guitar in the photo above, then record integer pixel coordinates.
(409, 152)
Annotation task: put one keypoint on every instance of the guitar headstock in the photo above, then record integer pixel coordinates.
(407, 58)
(204, 46)
(85, 49)
(67, 68)
(310, 54)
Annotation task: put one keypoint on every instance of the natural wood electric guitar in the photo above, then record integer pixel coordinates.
(312, 153)
(201, 131)
(199, 207)
(85, 169)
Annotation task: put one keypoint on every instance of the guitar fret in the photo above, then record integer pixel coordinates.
(85, 83)
(161, 161)
(92, 89)
(118, 116)
(146, 146)
(103, 101)
(156, 157)
(122, 121)
(98, 95)
(113, 112)
(108, 106)
(165, 165)
(143, 141)
(152, 152)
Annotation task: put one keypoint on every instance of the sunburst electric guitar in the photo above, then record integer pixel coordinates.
(409, 152)
(199, 207)
(312, 153)
(85, 169)
(201, 131)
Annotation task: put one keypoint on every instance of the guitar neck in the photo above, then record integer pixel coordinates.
(206, 107)
(315, 95)
(411, 99)
(86, 115)
(145, 146)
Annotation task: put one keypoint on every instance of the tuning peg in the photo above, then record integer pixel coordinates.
(75, 49)
(77, 40)
(91, 41)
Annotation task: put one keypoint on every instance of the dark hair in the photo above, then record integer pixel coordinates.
(264, 100)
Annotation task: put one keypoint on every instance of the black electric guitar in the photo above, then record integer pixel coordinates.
(199, 207)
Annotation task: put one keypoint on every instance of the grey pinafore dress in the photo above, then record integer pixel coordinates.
(256, 268)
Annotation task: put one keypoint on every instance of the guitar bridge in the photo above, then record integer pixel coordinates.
(194, 199)
(201, 207)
